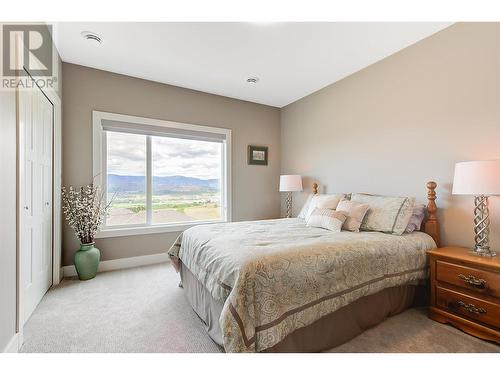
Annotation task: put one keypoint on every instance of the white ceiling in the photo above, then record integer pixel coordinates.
(291, 60)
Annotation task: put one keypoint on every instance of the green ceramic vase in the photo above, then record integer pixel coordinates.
(87, 261)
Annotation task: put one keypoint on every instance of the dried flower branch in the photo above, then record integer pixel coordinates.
(85, 210)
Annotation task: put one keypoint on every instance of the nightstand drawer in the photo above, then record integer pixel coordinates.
(470, 307)
(480, 281)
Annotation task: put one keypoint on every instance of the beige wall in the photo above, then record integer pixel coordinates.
(403, 121)
(254, 188)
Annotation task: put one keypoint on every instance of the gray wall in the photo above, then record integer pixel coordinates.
(403, 121)
(254, 188)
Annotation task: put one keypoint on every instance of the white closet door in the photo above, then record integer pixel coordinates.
(36, 124)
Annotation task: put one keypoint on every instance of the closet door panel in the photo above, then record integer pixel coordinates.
(46, 113)
(27, 188)
(38, 248)
(36, 122)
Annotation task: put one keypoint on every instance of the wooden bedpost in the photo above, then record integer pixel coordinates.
(315, 188)
(431, 226)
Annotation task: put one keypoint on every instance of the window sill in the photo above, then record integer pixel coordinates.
(152, 229)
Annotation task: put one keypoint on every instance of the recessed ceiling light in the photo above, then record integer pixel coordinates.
(253, 80)
(93, 37)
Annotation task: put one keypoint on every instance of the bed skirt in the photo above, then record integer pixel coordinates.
(326, 333)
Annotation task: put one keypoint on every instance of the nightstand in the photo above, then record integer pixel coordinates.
(465, 291)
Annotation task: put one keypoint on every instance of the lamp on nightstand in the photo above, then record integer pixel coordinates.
(481, 179)
(290, 183)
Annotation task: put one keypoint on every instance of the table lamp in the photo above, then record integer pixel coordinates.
(290, 183)
(481, 179)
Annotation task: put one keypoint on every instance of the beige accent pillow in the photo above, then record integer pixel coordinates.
(355, 212)
(326, 219)
(386, 214)
(329, 201)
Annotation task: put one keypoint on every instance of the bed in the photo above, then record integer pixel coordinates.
(281, 286)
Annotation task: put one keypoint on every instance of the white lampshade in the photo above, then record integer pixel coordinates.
(477, 178)
(290, 182)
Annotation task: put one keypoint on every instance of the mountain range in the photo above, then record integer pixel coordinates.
(161, 184)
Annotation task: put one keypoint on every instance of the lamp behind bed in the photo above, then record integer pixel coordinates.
(290, 183)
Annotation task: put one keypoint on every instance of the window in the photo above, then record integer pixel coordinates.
(160, 175)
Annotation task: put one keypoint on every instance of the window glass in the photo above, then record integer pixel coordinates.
(185, 177)
(186, 180)
(126, 178)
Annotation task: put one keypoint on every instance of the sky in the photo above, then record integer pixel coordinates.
(171, 156)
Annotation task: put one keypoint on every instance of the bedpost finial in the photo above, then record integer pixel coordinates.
(431, 226)
(315, 188)
(431, 191)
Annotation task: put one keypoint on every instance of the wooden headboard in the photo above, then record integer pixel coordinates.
(430, 224)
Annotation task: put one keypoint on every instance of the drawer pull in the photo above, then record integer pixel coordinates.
(473, 281)
(471, 308)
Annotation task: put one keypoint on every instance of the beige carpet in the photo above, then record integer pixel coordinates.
(143, 310)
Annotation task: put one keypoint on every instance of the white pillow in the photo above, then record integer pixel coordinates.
(329, 201)
(305, 208)
(326, 219)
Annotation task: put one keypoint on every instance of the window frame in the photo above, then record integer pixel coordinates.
(99, 167)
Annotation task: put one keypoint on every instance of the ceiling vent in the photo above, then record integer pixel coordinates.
(93, 37)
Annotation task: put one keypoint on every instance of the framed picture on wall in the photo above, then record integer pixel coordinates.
(257, 155)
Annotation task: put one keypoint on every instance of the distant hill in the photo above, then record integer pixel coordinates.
(161, 184)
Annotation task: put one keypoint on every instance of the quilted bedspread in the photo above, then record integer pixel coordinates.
(276, 276)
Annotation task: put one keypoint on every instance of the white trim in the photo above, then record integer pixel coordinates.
(228, 208)
(99, 170)
(56, 186)
(151, 229)
(99, 115)
(149, 182)
(19, 169)
(122, 263)
(14, 344)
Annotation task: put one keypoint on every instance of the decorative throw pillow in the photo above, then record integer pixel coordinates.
(416, 218)
(355, 212)
(326, 219)
(305, 208)
(386, 214)
(329, 201)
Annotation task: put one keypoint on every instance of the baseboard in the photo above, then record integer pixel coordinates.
(14, 344)
(122, 263)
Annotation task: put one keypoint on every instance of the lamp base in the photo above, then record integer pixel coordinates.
(482, 227)
(483, 251)
(288, 204)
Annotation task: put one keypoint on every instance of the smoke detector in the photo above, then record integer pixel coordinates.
(253, 80)
(93, 37)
